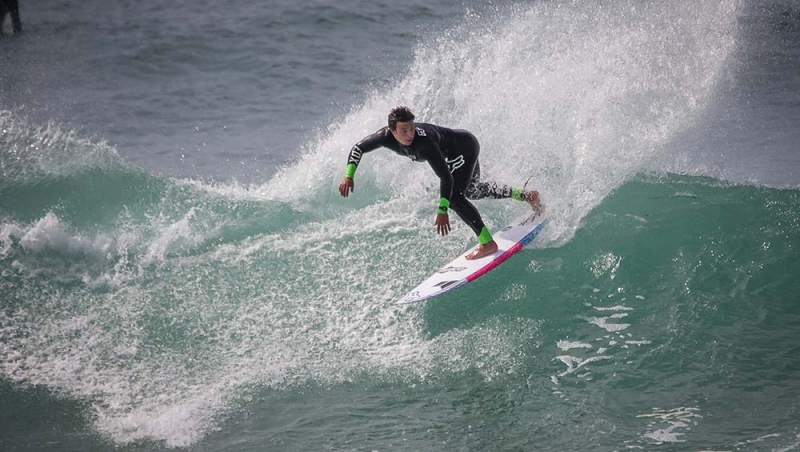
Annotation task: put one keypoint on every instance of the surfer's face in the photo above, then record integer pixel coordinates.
(404, 132)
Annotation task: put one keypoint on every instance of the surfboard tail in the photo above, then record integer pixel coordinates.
(416, 297)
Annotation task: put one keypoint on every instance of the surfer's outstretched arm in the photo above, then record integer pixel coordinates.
(368, 144)
(439, 166)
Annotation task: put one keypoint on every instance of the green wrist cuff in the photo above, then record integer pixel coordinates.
(516, 193)
(442, 210)
(444, 202)
(350, 171)
(485, 236)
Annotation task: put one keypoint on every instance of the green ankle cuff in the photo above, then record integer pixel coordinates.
(485, 236)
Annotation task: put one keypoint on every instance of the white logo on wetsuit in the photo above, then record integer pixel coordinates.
(420, 132)
(456, 163)
(355, 155)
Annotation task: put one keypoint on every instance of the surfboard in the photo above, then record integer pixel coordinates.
(460, 271)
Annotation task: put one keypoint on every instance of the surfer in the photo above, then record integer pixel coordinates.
(12, 8)
(453, 155)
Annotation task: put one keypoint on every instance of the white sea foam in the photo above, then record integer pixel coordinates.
(603, 323)
(49, 234)
(30, 153)
(567, 345)
(674, 423)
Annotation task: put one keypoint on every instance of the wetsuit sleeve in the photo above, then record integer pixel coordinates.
(367, 144)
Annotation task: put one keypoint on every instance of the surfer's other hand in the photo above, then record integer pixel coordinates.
(346, 186)
(442, 223)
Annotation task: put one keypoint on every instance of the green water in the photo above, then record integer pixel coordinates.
(669, 320)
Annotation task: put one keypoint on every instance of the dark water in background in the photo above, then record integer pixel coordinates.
(177, 270)
(205, 89)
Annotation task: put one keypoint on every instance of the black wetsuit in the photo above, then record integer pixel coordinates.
(453, 155)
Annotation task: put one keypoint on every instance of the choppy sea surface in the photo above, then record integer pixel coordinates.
(178, 271)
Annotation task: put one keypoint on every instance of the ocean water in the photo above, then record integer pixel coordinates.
(178, 271)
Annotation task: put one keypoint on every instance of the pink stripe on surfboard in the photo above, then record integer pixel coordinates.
(486, 268)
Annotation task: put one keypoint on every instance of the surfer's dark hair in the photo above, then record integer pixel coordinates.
(399, 114)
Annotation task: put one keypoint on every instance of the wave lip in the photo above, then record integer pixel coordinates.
(31, 154)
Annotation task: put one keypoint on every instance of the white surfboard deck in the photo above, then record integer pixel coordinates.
(460, 271)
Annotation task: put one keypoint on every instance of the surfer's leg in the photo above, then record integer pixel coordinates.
(467, 178)
(467, 212)
(12, 8)
(480, 190)
(462, 175)
(469, 215)
(2, 15)
(16, 23)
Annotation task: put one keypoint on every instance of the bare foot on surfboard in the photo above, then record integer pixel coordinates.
(532, 198)
(483, 251)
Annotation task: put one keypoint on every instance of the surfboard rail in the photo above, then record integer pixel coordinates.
(458, 272)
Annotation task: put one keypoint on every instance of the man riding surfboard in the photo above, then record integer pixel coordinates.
(453, 156)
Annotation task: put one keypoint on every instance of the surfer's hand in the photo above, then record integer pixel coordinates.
(442, 223)
(346, 186)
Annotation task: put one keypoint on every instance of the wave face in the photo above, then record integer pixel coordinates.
(166, 304)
